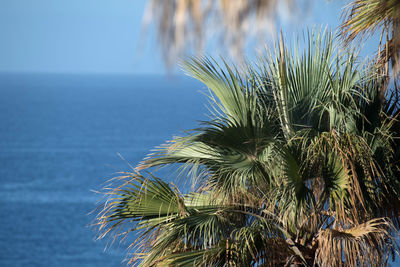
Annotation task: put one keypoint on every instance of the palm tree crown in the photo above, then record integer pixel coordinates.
(299, 166)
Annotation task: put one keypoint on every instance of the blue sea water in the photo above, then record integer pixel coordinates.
(59, 139)
(60, 136)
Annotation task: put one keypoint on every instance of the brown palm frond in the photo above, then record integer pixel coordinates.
(185, 24)
(363, 18)
(367, 244)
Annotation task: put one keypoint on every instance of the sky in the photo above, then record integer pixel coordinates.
(74, 36)
(100, 36)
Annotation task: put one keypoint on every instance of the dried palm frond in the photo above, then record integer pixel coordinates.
(363, 18)
(183, 24)
(367, 244)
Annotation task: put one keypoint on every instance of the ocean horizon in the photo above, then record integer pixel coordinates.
(62, 137)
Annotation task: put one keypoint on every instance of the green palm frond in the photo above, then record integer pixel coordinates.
(336, 179)
(299, 153)
(236, 99)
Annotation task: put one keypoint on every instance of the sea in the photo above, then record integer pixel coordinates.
(62, 137)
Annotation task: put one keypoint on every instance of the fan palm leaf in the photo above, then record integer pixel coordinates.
(297, 166)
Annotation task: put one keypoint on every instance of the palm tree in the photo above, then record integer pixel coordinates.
(298, 167)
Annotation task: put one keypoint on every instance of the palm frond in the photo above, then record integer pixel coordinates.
(298, 165)
(364, 17)
(367, 244)
(189, 25)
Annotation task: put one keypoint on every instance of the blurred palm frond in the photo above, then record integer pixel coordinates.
(185, 24)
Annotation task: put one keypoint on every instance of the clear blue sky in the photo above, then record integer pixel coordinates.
(74, 36)
(97, 36)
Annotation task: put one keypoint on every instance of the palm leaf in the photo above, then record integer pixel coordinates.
(366, 244)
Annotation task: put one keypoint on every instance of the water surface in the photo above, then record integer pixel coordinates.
(59, 139)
